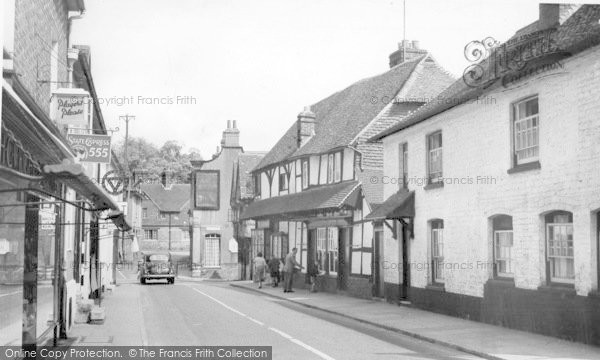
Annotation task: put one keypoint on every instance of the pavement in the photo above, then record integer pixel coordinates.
(479, 339)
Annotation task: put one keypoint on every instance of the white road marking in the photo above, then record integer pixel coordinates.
(289, 337)
(12, 293)
(256, 321)
(312, 349)
(281, 333)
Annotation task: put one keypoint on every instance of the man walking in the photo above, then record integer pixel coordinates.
(290, 265)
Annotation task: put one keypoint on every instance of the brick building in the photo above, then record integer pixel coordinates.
(316, 184)
(165, 217)
(56, 233)
(506, 228)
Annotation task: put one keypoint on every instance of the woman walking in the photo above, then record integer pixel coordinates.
(260, 266)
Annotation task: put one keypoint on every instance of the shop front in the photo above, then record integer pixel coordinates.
(37, 170)
(319, 223)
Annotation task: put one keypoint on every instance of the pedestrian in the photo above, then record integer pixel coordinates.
(290, 266)
(282, 271)
(313, 273)
(260, 267)
(274, 269)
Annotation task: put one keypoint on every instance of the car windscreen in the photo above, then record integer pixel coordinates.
(158, 258)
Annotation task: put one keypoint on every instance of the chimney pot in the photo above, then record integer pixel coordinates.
(235, 124)
(406, 44)
(415, 44)
(229, 124)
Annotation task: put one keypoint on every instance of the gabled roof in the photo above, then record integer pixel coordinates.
(579, 32)
(173, 199)
(243, 182)
(341, 117)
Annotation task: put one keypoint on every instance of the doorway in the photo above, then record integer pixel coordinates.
(378, 278)
(344, 257)
(404, 237)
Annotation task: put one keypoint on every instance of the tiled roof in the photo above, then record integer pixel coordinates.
(401, 204)
(343, 115)
(320, 198)
(579, 32)
(172, 199)
(246, 162)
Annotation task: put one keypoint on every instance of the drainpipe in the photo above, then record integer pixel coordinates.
(72, 53)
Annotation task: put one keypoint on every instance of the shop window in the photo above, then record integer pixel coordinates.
(322, 248)
(332, 250)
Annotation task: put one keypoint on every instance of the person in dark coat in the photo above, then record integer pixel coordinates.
(274, 269)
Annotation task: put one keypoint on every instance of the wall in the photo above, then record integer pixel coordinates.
(39, 23)
(477, 151)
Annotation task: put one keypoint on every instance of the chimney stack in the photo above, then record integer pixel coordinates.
(231, 135)
(306, 126)
(552, 15)
(407, 50)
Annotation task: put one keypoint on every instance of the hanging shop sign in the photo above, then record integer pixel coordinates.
(90, 148)
(72, 107)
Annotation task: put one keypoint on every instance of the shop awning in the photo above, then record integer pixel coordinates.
(399, 205)
(321, 198)
(118, 218)
(73, 175)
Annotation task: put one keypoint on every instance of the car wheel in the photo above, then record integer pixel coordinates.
(172, 281)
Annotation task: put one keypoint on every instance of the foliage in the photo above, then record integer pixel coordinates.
(150, 160)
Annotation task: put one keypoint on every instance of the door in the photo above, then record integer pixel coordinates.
(344, 257)
(378, 280)
(404, 236)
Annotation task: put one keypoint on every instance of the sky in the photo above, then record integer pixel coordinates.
(185, 67)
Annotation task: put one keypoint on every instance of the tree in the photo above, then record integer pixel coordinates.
(153, 161)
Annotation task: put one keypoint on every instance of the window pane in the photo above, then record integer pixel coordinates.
(338, 167)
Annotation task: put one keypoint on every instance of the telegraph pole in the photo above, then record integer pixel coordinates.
(127, 117)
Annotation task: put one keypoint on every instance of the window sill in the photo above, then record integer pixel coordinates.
(436, 185)
(436, 287)
(557, 288)
(504, 282)
(535, 165)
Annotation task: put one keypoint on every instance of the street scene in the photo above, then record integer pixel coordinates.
(357, 179)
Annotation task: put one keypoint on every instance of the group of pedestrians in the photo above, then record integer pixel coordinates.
(282, 270)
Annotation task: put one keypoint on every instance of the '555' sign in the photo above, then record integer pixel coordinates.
(90, 148)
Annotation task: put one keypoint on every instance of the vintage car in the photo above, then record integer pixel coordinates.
(156, 266)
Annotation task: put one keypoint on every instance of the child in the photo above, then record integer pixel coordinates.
(274, 269)
(313, 272)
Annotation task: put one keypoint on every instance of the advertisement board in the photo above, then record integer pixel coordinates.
(90, 148)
